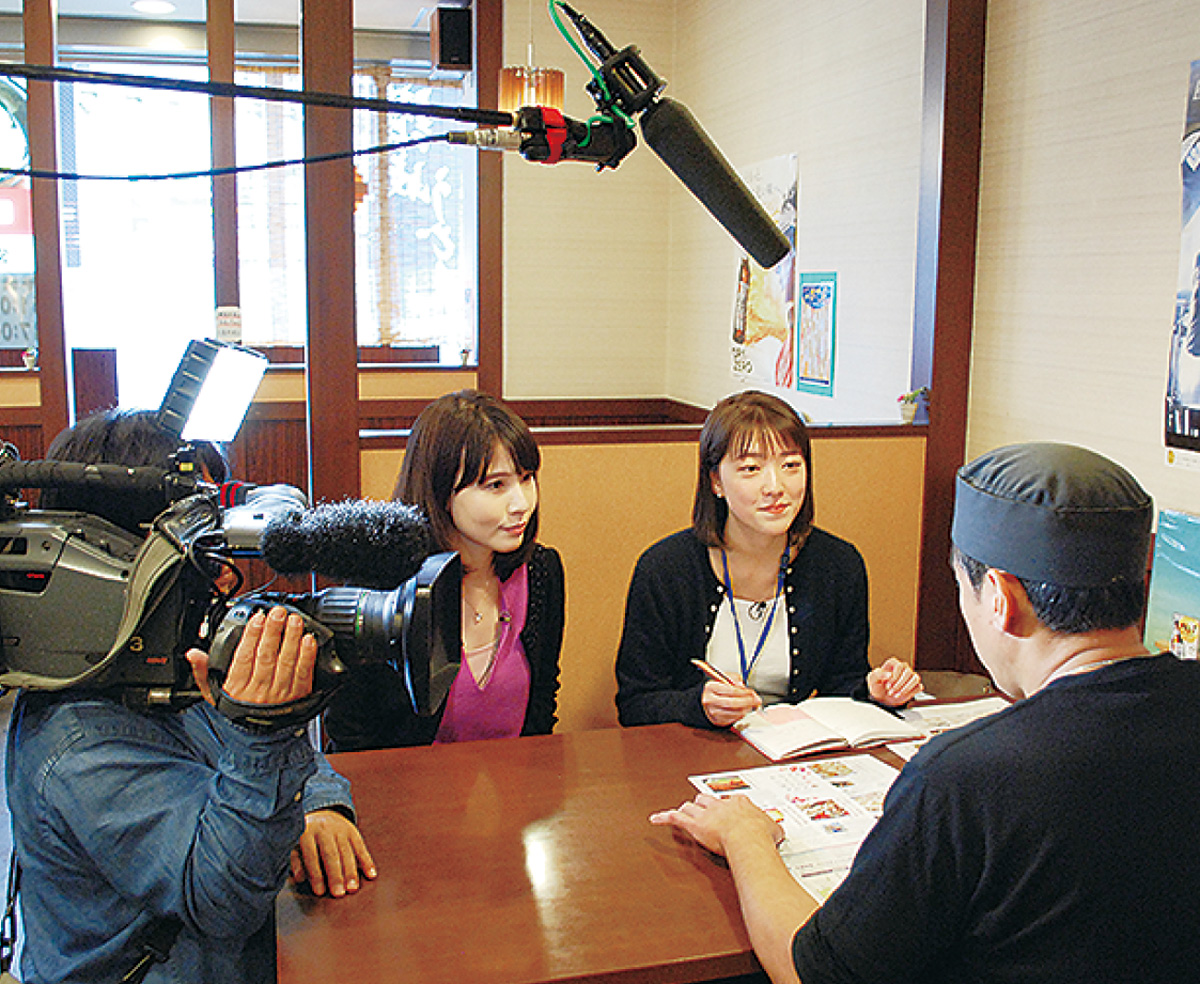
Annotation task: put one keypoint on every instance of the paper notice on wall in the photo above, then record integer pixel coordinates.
(763, 332)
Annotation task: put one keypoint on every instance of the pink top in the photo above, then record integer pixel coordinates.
(497, 709)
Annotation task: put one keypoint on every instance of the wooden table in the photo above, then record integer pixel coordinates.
(528, 861)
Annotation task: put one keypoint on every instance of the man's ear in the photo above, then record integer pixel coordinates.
(1008, 604)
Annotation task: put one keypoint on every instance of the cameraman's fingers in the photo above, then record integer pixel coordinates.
(261, 684)
(302, 679)
(310, 857)
(241, 667)
(199, 660)
(287, 659)
(296, 862)
(293, 669)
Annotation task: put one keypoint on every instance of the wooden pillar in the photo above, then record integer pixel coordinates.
(945, 298)
(41, 48)
(489, 55)
(327, 48)
(221, 55)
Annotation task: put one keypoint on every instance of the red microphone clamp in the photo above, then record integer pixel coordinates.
(548, 137)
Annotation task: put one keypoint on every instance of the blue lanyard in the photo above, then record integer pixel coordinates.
(747, 668)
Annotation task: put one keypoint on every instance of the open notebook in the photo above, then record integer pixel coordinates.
(821, 724)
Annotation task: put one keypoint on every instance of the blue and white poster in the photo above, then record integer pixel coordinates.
(1182, 424)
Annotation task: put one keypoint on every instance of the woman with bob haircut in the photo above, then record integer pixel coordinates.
(752, 588)
(471, 466)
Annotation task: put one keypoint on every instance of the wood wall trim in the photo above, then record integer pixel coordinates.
(567, 421)
(489, 57)
(384, 423)
(952, 131)
(41, 48)
(22, 417)
(221, 56)
(327, 59)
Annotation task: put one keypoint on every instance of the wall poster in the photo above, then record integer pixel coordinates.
(1173, 609)
(1182, 424)
(815, 337)
(764, 309)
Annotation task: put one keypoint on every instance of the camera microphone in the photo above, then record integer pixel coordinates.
(367, 543)
(677, 137)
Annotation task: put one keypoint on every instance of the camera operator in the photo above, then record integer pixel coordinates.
(168, 831)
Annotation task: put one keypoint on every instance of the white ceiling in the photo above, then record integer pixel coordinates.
(378, 15)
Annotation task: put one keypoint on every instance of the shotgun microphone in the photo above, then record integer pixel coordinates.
(679, 140)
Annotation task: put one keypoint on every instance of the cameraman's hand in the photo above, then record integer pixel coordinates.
(330, 854)
(273, 662)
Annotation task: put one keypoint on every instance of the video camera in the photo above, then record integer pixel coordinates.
(86, 604)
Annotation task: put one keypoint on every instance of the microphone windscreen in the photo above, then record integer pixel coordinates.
(678, 138)
(366, 543)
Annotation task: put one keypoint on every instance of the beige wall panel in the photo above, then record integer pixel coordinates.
(602, 505)
(396, 384)
(869, 492)
(585, 284)
(19, 389)
(379, 471)
(839, 85)
(1079, 229)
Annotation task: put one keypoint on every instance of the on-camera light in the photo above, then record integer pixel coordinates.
(211, 391)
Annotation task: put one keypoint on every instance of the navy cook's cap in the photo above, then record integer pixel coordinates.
(1054, 513)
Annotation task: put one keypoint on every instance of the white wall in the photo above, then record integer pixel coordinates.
(620, 284)
(585, 292)
(1079, 229)
(840, 86)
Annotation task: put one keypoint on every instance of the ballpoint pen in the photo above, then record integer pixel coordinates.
(714, 674)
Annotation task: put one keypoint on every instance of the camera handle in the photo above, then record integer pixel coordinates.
(327, 673)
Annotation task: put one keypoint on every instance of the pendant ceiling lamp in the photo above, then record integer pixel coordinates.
(525, 85)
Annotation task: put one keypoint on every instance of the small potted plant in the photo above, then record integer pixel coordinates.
(910, 401)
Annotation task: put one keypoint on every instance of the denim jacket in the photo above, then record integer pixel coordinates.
(120, 817)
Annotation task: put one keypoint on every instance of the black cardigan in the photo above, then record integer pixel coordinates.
(672, 605)
(372, 709)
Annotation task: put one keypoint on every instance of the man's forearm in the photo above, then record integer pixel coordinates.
(773, 904)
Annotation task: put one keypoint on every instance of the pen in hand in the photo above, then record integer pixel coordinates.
(713, 673)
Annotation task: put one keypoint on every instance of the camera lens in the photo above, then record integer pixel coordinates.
(364, 623)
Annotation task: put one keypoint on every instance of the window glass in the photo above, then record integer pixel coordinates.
(414, 220)
(137, 256)
(18, 324)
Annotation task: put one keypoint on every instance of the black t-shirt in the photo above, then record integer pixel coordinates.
(1056, 841)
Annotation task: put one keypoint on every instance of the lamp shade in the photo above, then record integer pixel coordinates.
(523, 85)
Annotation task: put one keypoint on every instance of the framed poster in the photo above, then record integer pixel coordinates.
(816, 333)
